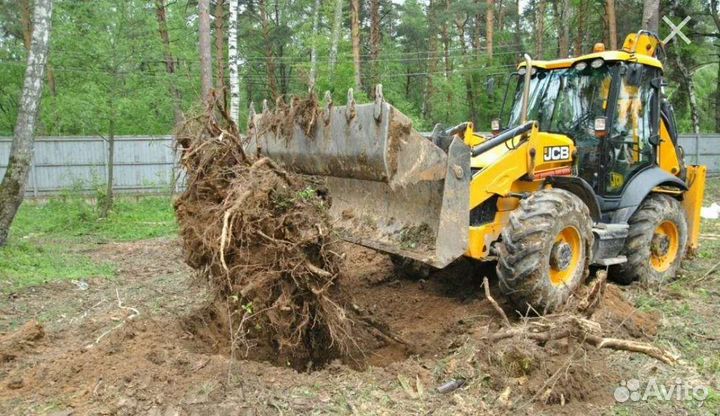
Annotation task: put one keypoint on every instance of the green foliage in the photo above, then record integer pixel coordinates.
(108, 63)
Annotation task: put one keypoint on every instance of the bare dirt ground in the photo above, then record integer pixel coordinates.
(144, 343)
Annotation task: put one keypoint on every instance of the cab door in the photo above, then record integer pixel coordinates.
(630, 145)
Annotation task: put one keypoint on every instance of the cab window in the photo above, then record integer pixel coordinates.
(629, 142)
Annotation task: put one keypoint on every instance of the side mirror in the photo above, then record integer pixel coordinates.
(600, 126)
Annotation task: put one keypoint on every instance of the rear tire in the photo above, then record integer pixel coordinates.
(545, 250)
(656, 242)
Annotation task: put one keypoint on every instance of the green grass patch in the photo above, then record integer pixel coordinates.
(47, 237)
(71, 218)
(25, 263)
(712, 190)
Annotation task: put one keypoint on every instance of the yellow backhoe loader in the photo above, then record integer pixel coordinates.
(585, 170)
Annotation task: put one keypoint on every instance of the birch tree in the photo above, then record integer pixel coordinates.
(12, 187)
(651, 15)
(233, 61)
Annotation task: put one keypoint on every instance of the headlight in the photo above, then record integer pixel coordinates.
(597, 63)
(522, 71)
(580, 66)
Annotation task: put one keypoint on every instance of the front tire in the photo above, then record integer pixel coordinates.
(656, 242)
(545, 250)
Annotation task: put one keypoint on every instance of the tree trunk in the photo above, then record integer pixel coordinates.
(233, 61)
(518, 28)
(432, 64)
(220, 48)
(582, 11)
(686, 79)
(612, 23)
(446, 41)
(337, 25)
(501, 10)
(651, 15)
(269, 59)
(355, 34)
(107, 203)
(477, 36)
(469, 93)
(12, 188)
(564, 38)
(540, 29)
(717, 100)
(204, 49)
(313, 50)
(489, 27)
(284, 69)
(374, 44)
(160, 14)
(715, 13)
(26, 22)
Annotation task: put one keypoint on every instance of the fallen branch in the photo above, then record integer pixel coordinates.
(584, 330)
(632, 346)
(495, 305)
(709, 272)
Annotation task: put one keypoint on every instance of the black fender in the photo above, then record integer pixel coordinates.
(619, 210)
(581, 188)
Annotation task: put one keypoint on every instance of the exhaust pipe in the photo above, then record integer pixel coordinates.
(526, 89)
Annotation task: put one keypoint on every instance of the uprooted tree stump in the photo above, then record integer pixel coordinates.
(262, 239)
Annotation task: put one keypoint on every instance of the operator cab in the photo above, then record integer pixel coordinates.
(607, 102)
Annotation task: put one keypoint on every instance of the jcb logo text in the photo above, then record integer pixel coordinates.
(553, 153)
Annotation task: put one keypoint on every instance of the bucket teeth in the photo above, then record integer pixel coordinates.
(328, 107)
(251, 116)
(377, 108)
(279, 104)
(350, 106)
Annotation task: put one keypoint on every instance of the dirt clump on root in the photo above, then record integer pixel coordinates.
(262, 239)
(304, 113)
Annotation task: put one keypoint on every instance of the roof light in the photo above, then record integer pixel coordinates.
(599, 47)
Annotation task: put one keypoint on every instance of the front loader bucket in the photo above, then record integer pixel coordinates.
(391, 188)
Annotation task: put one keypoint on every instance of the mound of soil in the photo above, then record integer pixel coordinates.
(22, 340)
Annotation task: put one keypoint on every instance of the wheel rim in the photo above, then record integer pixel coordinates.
(664, 246)
(565, 256)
